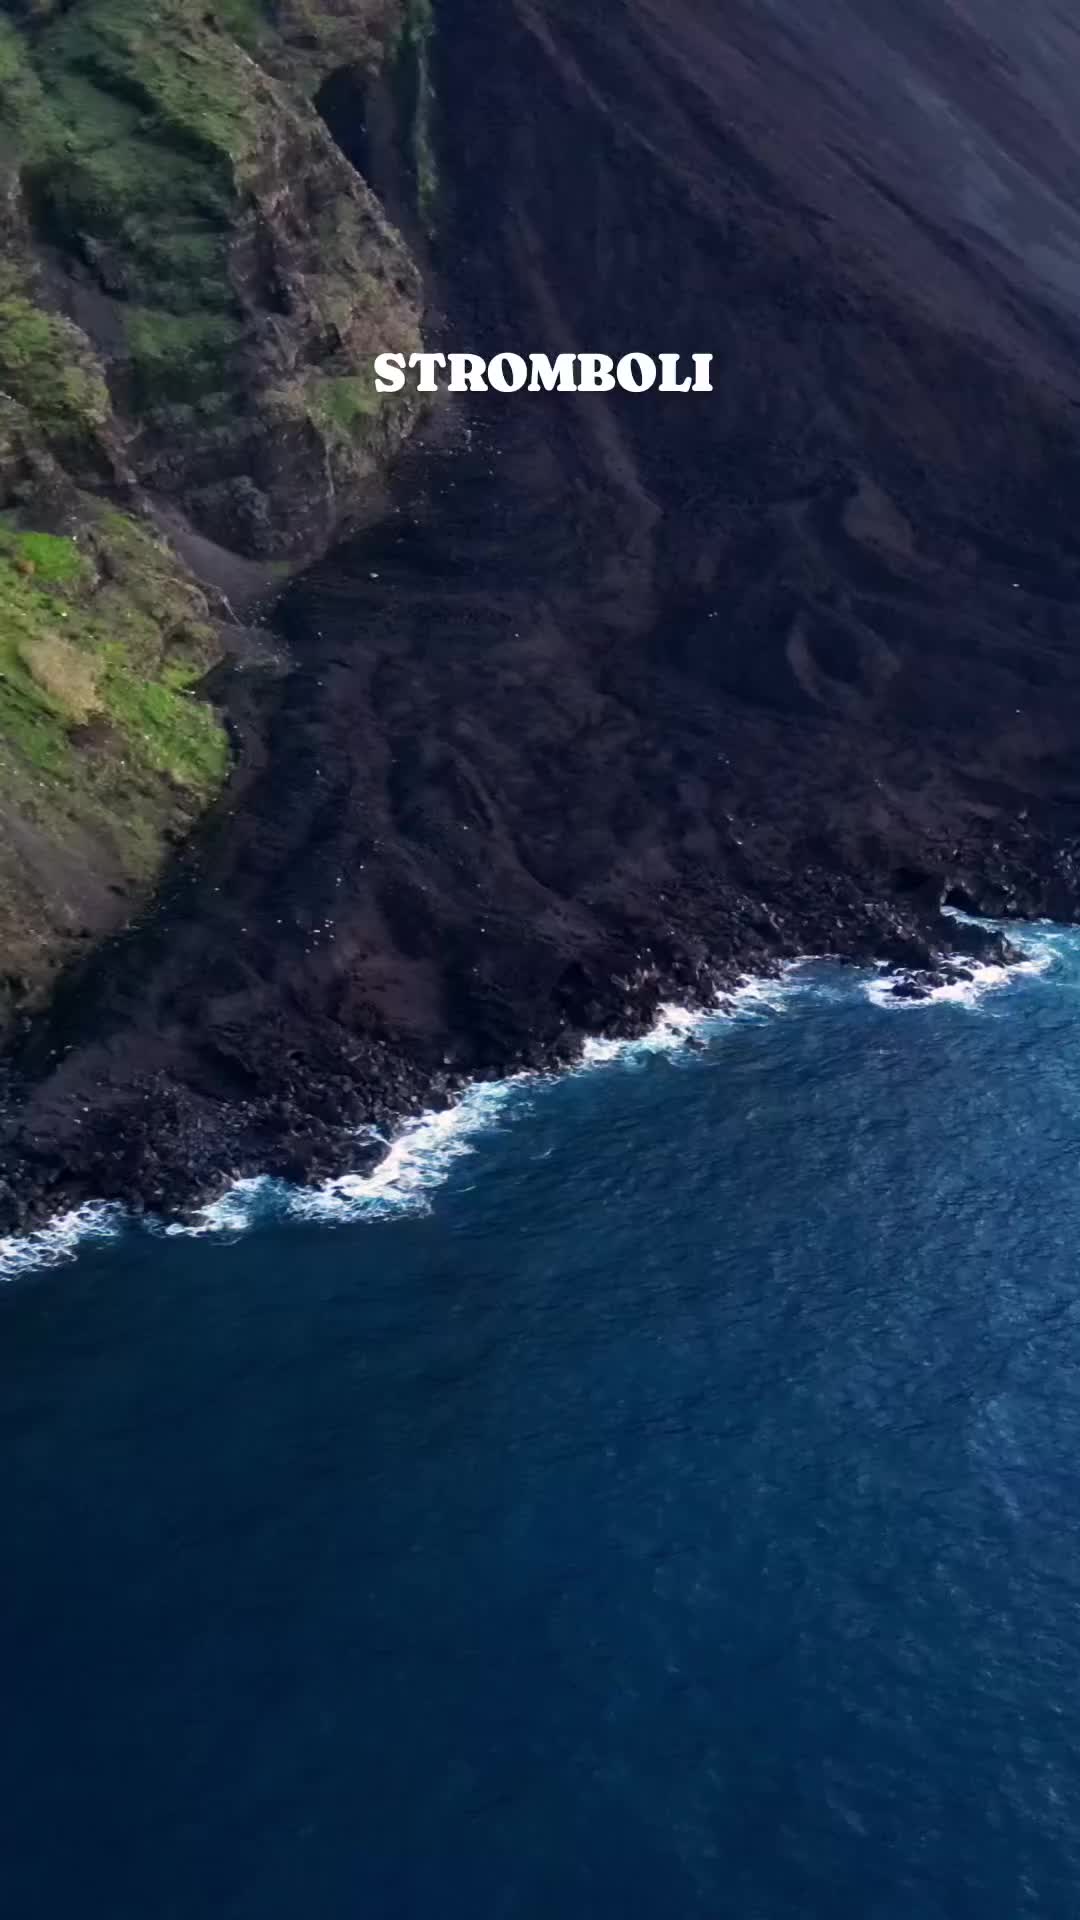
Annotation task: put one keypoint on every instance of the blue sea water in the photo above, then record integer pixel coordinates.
(660, 1497)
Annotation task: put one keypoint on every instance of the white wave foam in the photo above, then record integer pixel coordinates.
(225, 1219)
(420, 1155)
(761, 994)
(986, 978)
(674, 1027)
(59, 1240)
(755, 996)
(418, 1159)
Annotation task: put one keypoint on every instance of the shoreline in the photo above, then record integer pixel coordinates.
(417, 1154)
(603, 703)
(112, 1110)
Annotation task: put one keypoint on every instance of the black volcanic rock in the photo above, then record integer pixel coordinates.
(625, 695)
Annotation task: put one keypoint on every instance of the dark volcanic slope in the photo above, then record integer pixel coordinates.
(625, 690)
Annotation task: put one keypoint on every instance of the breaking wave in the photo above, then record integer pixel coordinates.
(59, 1240)
(421, 1153)
(984, 979)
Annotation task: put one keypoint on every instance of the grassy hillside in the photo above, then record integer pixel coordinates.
(214, 242)
(192, 289)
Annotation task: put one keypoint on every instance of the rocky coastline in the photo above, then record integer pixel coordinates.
(178, 1155)
(606, 701)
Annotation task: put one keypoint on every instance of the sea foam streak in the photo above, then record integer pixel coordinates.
(418, 1159)
(59, 1240)
(420, 1155)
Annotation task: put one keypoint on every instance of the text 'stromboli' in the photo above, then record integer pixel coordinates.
(540, 373)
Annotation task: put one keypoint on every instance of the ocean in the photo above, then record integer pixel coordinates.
(656, 1493)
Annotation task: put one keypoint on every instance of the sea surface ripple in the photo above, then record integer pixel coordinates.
(656, 1495)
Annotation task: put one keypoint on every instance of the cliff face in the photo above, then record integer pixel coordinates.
(229, 268)
(627, 694)
(193, 284)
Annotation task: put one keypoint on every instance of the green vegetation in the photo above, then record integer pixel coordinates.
(178, 356)
(343, 404)
(147, 141)
(49, 367)
(245, 20)
(55, 561)
(233, 280)
(32, 129)
(194, 86)
(166, 115)
(131, 131)
(99, 636)
(162, 722)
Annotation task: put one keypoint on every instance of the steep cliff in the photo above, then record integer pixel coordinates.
(627, 694)
(193, 281)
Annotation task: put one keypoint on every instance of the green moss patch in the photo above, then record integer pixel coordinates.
(48, 366)
(245, 20)
(99, 717)
(161, 115)
(343, 405)
(178, 356)
(164, 723)
(31, 128)
(53, 560)
(203, 196)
